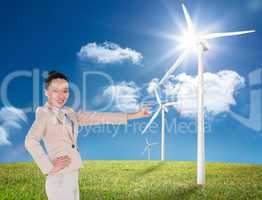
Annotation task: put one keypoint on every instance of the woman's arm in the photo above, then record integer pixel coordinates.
(96, 118)
(115, 118)
(142, 113)
(32, 142)
(33, 146)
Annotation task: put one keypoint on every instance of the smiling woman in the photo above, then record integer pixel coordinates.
(63, 161)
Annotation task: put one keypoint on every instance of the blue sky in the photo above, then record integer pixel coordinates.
(49, 35)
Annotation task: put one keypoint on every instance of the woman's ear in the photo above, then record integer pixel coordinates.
(46, 93)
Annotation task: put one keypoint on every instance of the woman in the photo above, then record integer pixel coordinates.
(57, 125)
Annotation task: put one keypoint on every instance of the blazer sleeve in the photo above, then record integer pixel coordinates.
(96, 118)
(32, 142)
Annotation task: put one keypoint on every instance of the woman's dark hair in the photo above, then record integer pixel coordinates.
(54, 75)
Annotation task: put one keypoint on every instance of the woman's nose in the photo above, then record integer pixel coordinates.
(61, 95)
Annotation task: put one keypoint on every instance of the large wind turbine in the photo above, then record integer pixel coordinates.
(148, 148)
(162, 108)
(199, 41)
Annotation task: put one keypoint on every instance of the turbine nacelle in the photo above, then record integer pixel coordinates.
(204, 45)
(191, 41)
(164, 108)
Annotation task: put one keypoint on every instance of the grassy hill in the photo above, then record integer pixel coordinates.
(140, 180)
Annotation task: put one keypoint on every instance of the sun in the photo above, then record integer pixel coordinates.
(190, 40)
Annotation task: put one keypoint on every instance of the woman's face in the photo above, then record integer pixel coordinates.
(57, 92)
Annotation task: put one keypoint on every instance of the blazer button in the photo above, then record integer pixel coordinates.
(73, 146)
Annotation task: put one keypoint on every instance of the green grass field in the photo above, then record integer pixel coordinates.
(140, 180)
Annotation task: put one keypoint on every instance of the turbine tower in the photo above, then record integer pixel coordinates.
(192, 39)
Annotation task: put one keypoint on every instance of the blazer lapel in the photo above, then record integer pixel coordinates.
(58, 117)
(73, 129)
(74, 125)
(70, 128)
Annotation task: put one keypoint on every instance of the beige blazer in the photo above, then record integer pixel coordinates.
(59, 136)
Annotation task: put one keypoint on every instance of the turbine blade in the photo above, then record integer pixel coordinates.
(151, 120)
(171, 104)
(154, 143)
(165, 108)
(157, 97)
(188, 19)
(226, 34)
(145, 150)
(146, 141)
(179, 61)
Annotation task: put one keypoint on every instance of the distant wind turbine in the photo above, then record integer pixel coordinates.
(191, 40)
(162, 108)
(148, 148)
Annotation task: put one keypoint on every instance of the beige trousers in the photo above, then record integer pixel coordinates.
(62, 186)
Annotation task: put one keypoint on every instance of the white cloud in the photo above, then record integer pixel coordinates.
(10, 118)
(108, 53)
(4, 137)
(124, 95)
(219, 91)
(154, 84)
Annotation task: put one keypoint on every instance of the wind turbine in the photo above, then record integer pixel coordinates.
(162, 108)
(148, 148)
(193, 39)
